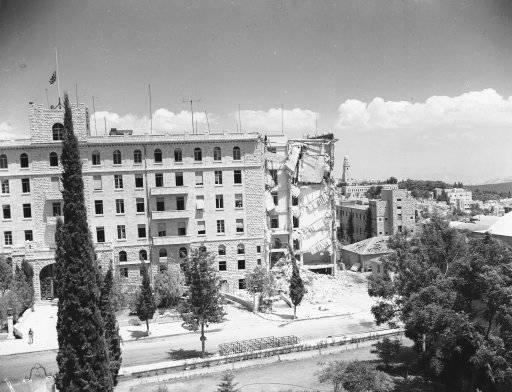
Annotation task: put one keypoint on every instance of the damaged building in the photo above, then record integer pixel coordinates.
(299, 199)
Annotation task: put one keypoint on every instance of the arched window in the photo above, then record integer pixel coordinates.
(217, 154)
(123, 256)
(137, 156)
(158, 156)
(143, 255)
(182, 253)
(162, 252)
(236, 154)
(58, 131)
(117, 157)
(240, 249)
(3, 161)
(96, 159)
(178, 156)
(54, 159)
(202, 249)
(23, 160)
(198, 154)
(222, 250)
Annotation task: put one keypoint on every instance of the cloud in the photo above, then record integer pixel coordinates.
(296, 121)
(164, 121)
(472, 110)
(6, 131)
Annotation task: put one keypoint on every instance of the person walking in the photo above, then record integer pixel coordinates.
(30, 336)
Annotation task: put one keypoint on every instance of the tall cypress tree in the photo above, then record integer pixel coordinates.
(111, 327)
(83, 357)
(368, 227)
(297, 289)
(146, 301)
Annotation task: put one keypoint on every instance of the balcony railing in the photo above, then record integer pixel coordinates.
(171, 240)
(172, 214)
(169, 190)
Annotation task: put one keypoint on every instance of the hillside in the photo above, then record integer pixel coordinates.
(491, 191)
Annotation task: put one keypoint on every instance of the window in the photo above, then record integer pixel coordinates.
(273, 174)
(198, 154)
(178, 157)
(275, 198)
(6, 211)
(58, 131)
(258, 248)
(236, 154)
(158, 155)
(180, 203)
(123, 271)
(23, 160)
(296, 244)
(239, 226)
(220, 226)
(119, 206)
(182, 229)
(56, 209)
(239, 201)
(217, 154)
(8, 237)
(27, 210)
(137, 157)
(179, 178)
(121, 232)
(116, 157)
(139, 181)
(237, 176)
(241, 264)
(295, 201)
(54, 159)
(241, 284)
(100, 234)
(139, 201)
(295, 222)
(96, 159)
(29, 235)
(159, 180)
(258, 261)
(25, 185)
(240, 249)
(274, 222)
(160, 204)
(162, 252)
(222, 250)
(200, 202)
(122, 256)
(201, 228)
(118, 181)
(98, 207)
(199, 178)
(97, 185)
(182, 253)
(399, 229)
(219, 201)
(3, 161)
(162, 229)
(141, 230)
(143, 255)
(222, 265)
(5, 186)
(218, 177)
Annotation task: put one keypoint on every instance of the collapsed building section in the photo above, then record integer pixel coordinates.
(299, 199)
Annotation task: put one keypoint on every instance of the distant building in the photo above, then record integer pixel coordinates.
(366, 255)
(457, 197)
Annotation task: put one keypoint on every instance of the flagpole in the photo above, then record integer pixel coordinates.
(58, 74)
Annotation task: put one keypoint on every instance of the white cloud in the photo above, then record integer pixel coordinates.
(296, 121)
(164, 121)
(467, 111)
(6, 131)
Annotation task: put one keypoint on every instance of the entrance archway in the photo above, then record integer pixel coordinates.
(47, 282)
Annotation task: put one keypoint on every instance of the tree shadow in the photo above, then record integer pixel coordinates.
(186, 354)
(138, 334)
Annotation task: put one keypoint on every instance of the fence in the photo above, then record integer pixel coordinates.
(256, 344)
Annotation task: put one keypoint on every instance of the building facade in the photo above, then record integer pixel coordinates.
(150, 198)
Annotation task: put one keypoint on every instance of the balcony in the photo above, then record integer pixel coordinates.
(169, 190)
(173, 214)
(172, 240)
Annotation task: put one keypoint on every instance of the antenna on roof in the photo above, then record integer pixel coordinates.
(94, 110)
(150, 111)
(191, 101)
(282, 120)
(207, 121)
(239, 118)
(105, 122)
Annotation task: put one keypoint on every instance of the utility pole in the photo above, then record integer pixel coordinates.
(191, 101)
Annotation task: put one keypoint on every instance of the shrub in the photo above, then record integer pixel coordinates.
(169, 287)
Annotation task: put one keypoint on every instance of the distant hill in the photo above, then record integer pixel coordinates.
(491, 191)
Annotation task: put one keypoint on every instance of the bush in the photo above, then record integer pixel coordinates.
(169, 287)
(134, 321)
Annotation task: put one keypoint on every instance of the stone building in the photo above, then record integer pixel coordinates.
(150, 198)
(366, 255)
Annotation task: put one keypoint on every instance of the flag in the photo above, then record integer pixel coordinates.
(53, 78)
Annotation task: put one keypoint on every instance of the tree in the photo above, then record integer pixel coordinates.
(28, 272)
(112, 337)
(82, 357)
(203, 304)
(22, 289)
(374, 192)
(387, 350)
(146, 306)
(6, 275)
(350, 228)
(368, 226)
(297, 289)
(169, 287)
(259, 281)
(392, 180)
(227, 384)
(454, 298)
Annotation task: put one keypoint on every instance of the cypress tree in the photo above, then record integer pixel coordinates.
(83, 357)
(226, 384)
(350, 228)
(368, 226)
(112, 337)
(297, 289)
(146, 301)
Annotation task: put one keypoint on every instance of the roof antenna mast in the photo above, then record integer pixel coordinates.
(191, 101)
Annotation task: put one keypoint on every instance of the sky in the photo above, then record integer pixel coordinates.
(411, 88)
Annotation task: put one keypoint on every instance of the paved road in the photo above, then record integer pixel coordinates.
(17, 367)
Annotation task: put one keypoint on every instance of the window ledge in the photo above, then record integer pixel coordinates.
(221, 234)
(118, 189)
